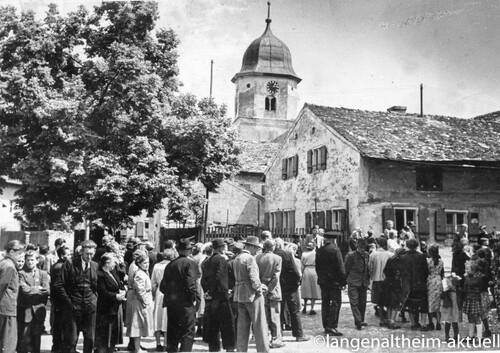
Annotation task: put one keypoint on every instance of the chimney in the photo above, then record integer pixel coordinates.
(399, 109)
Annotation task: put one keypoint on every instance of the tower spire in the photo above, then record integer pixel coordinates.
(268, 19)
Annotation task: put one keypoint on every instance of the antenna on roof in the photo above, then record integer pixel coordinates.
(421, 99)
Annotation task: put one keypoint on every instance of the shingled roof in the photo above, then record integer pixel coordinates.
(398, 136)
(255, 156)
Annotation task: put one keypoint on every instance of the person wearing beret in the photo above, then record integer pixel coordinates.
(215, 285)
(331, 279)
(181, 297)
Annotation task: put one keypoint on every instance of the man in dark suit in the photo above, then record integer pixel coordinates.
(289, 281)
(33, 296)
(181, 299)
(331, 279)
(57, 305)
(215, 285)
(76, 286)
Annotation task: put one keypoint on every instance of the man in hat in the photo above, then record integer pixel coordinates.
(269, 272)
(215, 285)
(331, 279)
(9, 290)
(181, 298)
(230, 244)
(249, 294)
(76, 286)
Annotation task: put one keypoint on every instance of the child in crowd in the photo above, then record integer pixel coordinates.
(449, 308)
(474, 281)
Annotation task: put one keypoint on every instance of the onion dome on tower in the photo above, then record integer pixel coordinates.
(267, 55)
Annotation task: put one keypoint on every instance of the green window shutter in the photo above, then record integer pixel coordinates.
(266, 220)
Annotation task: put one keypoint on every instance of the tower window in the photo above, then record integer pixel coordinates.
(270, 104)
(248, 85)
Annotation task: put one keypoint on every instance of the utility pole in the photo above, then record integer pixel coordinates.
(205, 219)
(421, 99)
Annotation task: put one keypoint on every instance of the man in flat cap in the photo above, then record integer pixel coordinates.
(249, 294)
(181, 298)
(331, 279)
(215, 285)
(269, 272)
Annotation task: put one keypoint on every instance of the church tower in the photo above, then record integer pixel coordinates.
(266, 89)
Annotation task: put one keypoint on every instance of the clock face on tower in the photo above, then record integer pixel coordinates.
(272, 87)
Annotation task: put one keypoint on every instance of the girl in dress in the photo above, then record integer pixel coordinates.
(472, 302)
(434, 286)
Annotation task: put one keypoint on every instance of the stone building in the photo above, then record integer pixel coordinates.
(344, 168)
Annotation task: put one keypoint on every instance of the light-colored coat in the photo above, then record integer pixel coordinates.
(269, 272)
(246, 273)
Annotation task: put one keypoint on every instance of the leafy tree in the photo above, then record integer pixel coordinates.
(91, 121)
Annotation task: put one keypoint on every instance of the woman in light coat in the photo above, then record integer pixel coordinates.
(142, 305)
(160, 312)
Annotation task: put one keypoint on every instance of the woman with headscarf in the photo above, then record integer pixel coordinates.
(395, 298)
(309, 287)
(160, 312)
(434, 286)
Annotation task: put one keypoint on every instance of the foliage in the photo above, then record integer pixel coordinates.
(91, 122)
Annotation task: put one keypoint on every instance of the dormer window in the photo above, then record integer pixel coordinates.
(270, 104)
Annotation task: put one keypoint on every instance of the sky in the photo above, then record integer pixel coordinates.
(359, 54)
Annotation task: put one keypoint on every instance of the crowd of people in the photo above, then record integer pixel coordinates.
(230, 290)
(407, 276)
